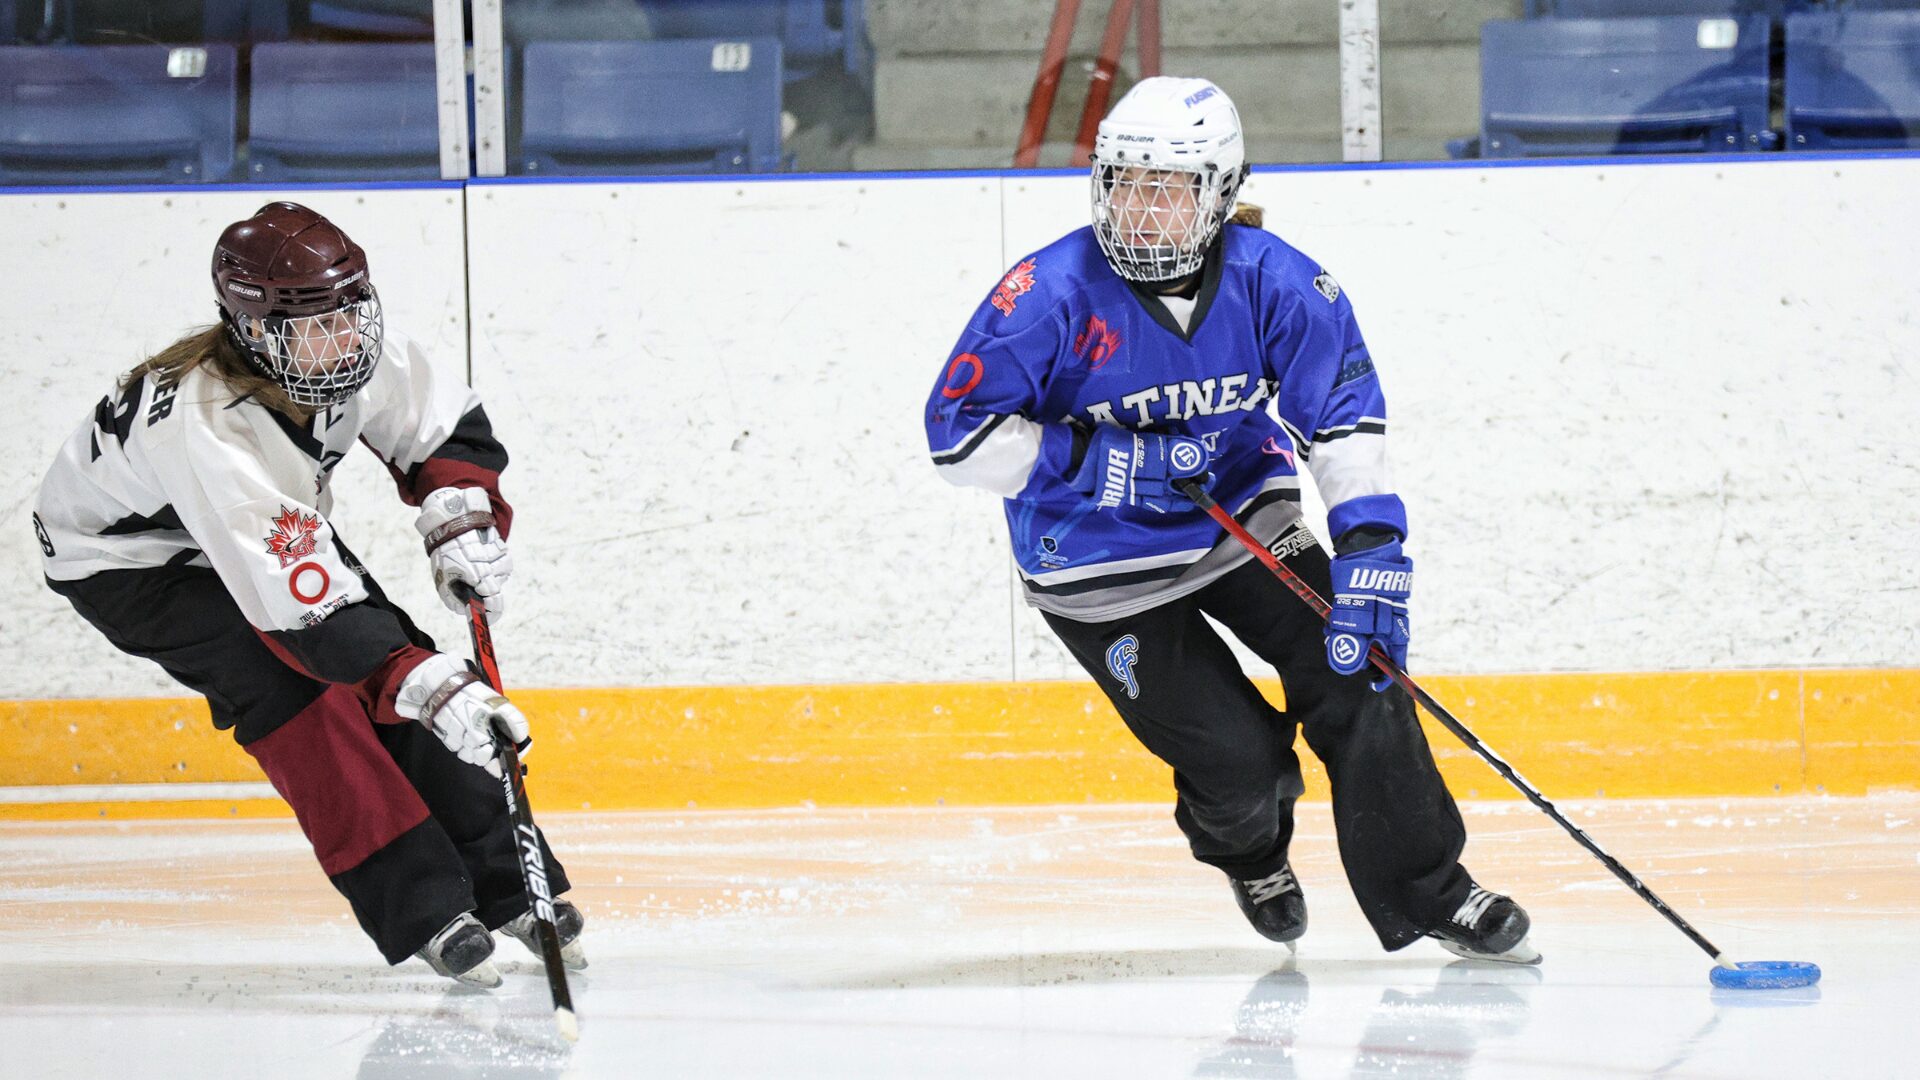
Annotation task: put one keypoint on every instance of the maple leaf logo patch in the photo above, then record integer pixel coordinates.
(292, 537)
(1017, 283)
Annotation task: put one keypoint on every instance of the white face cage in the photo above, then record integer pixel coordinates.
(320, 360)
(1154, 224)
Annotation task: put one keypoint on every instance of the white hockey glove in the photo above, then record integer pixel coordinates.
(459, 708)
(458, 526)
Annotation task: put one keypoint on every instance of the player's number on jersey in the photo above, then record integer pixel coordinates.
(115, 420)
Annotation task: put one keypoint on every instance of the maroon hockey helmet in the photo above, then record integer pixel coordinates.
(295, 295)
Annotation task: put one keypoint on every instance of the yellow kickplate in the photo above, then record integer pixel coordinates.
(924, 744)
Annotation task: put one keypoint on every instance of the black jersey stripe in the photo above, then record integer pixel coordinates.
(1110, 581)
(1372, 427)
(301, 436)
(973, 442)
(161, 520)
(1265, 499)
(473, 442)
(1158, 573)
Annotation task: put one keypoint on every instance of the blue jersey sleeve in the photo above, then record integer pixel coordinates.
(982, 427)
(1332, 406)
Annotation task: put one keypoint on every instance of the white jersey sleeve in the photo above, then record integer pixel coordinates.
(429, 427)
(413, 405)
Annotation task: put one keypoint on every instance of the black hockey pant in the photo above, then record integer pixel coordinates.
(411, 835)
(1234, 767)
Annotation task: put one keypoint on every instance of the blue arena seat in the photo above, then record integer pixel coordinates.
(395, 20)
(343, 112)
(125, 22)
(639, 107)
(1640, 9)
(1853, 81)
(103, 114)
(814, 34)
(1570, 87)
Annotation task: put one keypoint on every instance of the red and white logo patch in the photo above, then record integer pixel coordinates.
(292, 538)
(1017, 283)
(1098, 342)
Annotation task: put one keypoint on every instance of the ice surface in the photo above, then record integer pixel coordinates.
(1056, 942)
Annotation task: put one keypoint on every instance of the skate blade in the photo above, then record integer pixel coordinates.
(573, 955)
(1522, 952)
(482, 975)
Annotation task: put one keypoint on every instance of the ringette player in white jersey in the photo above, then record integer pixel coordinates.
(186, 520)
(1173, 340)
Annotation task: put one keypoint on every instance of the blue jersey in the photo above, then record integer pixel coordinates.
(1268, 369)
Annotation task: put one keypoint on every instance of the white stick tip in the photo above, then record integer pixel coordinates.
(568, 1024)
(1721, 960)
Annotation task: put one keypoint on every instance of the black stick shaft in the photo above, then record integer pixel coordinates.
(526, 839)
(1439, 712)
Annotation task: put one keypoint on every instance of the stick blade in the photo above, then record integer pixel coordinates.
(1766, 975)
(568, 1024)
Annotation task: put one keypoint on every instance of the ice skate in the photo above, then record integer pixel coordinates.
(1274, 905)
(1488, 926)
(461, 951)
(566, 919)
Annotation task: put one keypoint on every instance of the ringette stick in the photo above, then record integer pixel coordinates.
(1731, 974)
(533, 865)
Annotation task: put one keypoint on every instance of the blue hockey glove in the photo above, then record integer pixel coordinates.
(1139, 468)
(1369, 608)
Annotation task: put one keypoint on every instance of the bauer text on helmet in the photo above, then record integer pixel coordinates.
(294, 293)
(1167, 167)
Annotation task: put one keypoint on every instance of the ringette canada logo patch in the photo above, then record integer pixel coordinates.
(292, 538)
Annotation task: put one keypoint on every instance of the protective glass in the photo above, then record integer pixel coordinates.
(1155, 224)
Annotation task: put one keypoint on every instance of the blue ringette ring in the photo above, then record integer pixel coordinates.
(1766, 975)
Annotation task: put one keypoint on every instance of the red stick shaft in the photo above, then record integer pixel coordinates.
(1292, 580)
(483, 643)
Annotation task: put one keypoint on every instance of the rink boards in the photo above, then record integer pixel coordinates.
(1646, 417)
(1574, 736)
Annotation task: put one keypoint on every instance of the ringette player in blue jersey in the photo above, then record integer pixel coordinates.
(1175, 339)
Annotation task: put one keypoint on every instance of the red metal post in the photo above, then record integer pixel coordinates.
(1149, 39)
(1053, 59)
(1118, 21)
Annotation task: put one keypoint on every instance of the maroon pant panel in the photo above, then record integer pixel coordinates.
(349, 795)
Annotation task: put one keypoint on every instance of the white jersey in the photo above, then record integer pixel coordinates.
(186, 475)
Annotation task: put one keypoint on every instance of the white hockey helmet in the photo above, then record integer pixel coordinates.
(1167, 167)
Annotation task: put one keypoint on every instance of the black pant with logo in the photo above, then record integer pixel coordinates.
(1234, 766)
(411, 835)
